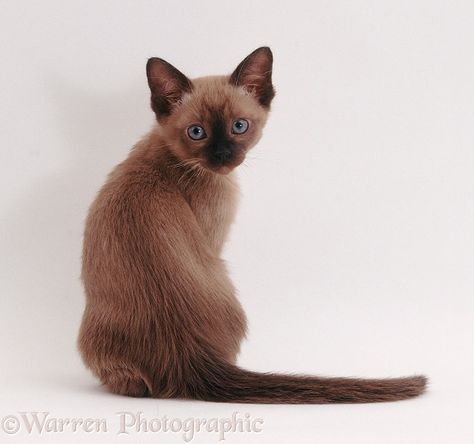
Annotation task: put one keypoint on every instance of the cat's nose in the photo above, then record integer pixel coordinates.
(221, 156)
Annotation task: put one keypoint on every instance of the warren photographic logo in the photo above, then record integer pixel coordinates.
(128, 423)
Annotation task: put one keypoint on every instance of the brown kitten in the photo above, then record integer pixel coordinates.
(162, 318)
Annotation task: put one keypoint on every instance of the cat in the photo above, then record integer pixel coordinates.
(161, 317)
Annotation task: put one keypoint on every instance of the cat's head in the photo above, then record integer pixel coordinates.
(212, 121)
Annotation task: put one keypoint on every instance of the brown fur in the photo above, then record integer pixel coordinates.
(161, 317)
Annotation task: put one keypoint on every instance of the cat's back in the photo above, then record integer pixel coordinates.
(135, 208)
(132, 187)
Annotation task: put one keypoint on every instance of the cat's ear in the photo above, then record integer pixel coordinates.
(167, 85)
(254, 73)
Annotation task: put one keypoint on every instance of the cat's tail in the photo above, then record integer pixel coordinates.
(224, 382)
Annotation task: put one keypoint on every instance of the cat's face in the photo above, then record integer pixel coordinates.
(212, 121)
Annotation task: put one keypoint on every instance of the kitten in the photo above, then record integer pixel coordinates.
(162, 318)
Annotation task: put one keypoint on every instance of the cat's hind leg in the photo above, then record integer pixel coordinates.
(125, 381)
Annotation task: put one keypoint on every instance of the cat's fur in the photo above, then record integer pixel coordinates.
(162, 318)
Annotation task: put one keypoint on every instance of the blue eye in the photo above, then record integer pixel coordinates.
(240, 126)
(196, 132)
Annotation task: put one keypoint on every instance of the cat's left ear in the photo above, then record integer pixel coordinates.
(167, 85)
(254, 73)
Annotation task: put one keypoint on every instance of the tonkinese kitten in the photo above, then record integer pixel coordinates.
(162, 318)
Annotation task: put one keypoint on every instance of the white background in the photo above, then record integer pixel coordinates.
(353, 248)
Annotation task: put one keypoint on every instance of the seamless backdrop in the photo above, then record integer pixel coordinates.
(353, 247)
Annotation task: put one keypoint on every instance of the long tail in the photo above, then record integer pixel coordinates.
(223, 382)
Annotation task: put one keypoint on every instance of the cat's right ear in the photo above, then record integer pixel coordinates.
(167, 85)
